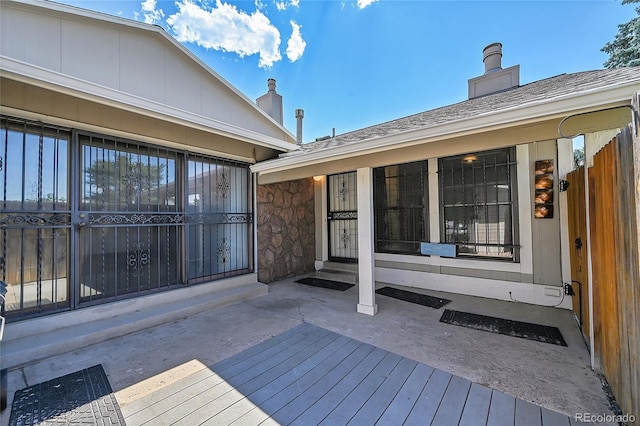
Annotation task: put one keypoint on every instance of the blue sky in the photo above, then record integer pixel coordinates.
(354, 63)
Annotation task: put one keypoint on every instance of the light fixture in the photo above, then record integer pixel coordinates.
(317, 178)
(470, 158)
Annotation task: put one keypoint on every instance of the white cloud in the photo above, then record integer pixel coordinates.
(150, 13)
(364, 3)
(282, 5)
(227, 29)
(295, 45)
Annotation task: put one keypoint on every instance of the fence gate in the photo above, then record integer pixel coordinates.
(615, 258)
(578, 242)
(343, 217)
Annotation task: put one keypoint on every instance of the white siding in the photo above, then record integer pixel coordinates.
(126, 58)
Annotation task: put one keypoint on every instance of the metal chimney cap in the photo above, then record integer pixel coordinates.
(271, 83)
(492, 49)
(492, 57)
(299, 113)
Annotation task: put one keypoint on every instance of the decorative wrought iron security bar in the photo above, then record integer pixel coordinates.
(35, 218)
(138, 218)
(479, 204)
(343, 217)
(130, 218)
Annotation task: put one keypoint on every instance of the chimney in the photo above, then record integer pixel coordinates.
(271, 102)
(299, 117)
(495, 78)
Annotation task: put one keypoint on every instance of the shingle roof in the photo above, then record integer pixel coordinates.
(541, 90)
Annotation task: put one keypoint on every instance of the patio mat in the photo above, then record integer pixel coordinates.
(525, 330)
(84, 397)
(409, 296)
(319, 282)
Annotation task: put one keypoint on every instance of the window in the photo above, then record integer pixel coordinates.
(478, 202)
(400, 202)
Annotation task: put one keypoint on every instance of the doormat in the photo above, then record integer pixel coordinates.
(84, 397)
(319, 282)
(524, 330)
(410, 296)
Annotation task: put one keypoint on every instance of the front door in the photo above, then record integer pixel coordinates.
(343, 217)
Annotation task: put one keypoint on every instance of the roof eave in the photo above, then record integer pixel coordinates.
(522, 114)
(41, 77)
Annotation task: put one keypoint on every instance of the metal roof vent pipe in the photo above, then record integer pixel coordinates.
(299, 117)
(492, 57)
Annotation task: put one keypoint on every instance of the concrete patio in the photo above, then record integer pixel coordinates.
(145, 367)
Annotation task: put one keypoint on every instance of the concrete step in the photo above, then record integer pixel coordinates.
(336, 275)
(337, 266)
(22, 347)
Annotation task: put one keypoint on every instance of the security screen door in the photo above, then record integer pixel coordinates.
(129, 218)
(87, 218)
(343, 217)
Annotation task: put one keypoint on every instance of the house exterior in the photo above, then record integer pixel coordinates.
(480, 181)
(124, 166)
(131, 174)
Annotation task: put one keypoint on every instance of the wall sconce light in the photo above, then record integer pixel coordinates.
(469, 158)
(317, 178)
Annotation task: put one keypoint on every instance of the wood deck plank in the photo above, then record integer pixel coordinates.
(427, 404)
(290, 336)
(293, 390)
(373, 409)
(400, 407)
(309, 375)
(502, 409)
(272, 356)
(187, 401)
(334, 395)
(306, 399)
(350, 405)
(476, 409)
(243, 359)
(309, 359)
(267, 376)
(551, 418)
(527, 414)
(452, 404)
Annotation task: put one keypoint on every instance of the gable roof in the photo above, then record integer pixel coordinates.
(542, 100)
(128, 63)
(541, 91)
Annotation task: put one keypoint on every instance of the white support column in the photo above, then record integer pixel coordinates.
(366, 260)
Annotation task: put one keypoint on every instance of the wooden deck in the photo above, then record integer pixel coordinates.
(309, 375)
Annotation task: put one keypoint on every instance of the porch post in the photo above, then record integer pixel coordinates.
(366, 261)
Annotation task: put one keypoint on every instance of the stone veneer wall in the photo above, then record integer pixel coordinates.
(286, 229)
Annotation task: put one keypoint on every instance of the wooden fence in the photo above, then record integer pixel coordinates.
(614, 204)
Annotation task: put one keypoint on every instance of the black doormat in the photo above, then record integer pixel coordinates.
(410, 296)
(84, 397)
(319, 282)
(525, 330)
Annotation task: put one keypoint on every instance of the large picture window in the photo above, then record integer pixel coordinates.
(400, 200)
(478, 202)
